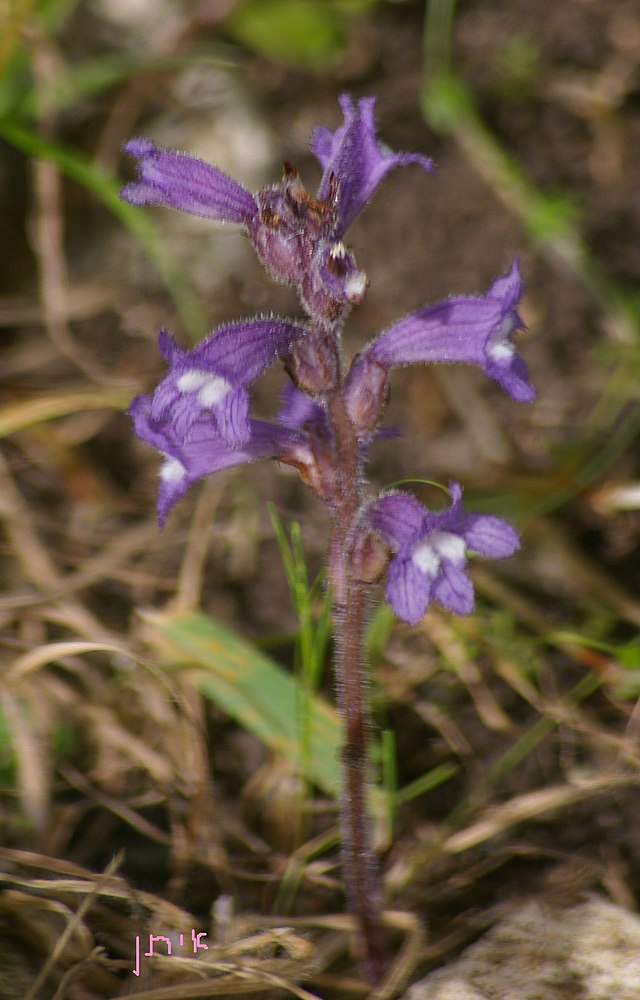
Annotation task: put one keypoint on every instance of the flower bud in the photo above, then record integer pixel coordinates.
(370, 556)
(297, 237)
(316, 467)
(366, 394)
(312, 364)
(287, 227)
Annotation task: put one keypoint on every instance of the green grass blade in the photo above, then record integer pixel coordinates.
(431, 779)
(18, 416)
(262, 697)
(79, 169)
(313, 631)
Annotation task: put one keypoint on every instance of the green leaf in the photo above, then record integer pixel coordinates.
(354, 6)
(296, 32)
(262, 697)
(426, 782)
(84, 80)
(313, 635)
(8, 763)
(53, 15)
(16, 84)
(445, 102)
(629, 655)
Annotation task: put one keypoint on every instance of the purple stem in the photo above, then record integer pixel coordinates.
(350, 604)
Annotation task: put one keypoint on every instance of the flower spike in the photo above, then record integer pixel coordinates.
(297, 236)
(199, 419)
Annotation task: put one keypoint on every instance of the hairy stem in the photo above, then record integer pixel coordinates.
(350, 605)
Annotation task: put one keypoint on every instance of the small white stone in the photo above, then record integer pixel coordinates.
(540, 952)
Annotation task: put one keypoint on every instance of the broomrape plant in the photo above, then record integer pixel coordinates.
(199, 415)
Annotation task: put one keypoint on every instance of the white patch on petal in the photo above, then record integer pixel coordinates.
(338, 251)
(192, 380)
(426, 559)
(214, 391)
(503, 351)
(499, 347)
(355, 286)
(172, 471)
(449, 546)
(429, 553)
(211, 389)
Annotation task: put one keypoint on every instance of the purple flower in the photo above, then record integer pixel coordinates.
(297, 236)
(356, 159)
(187, 183)
(209, 382)
(472, 329)
(430, 551)
(204, 453)
(299, 412)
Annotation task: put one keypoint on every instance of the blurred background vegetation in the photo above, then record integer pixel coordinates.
(168, 745)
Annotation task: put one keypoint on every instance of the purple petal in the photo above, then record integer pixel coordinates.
(169, 347)
(356, 159)
(399, 518)
(453, 589)
(489, 536)
(453, 330)
(168, 405)
(212, 377)
(473, 330)
(232, 416)
(503, 364)
(508, 288)
(240, 352)
(455, 492)
(146, 430)
(177, 180)
(336, 272)
(299, 412)
(408, 590)
(204, 453)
